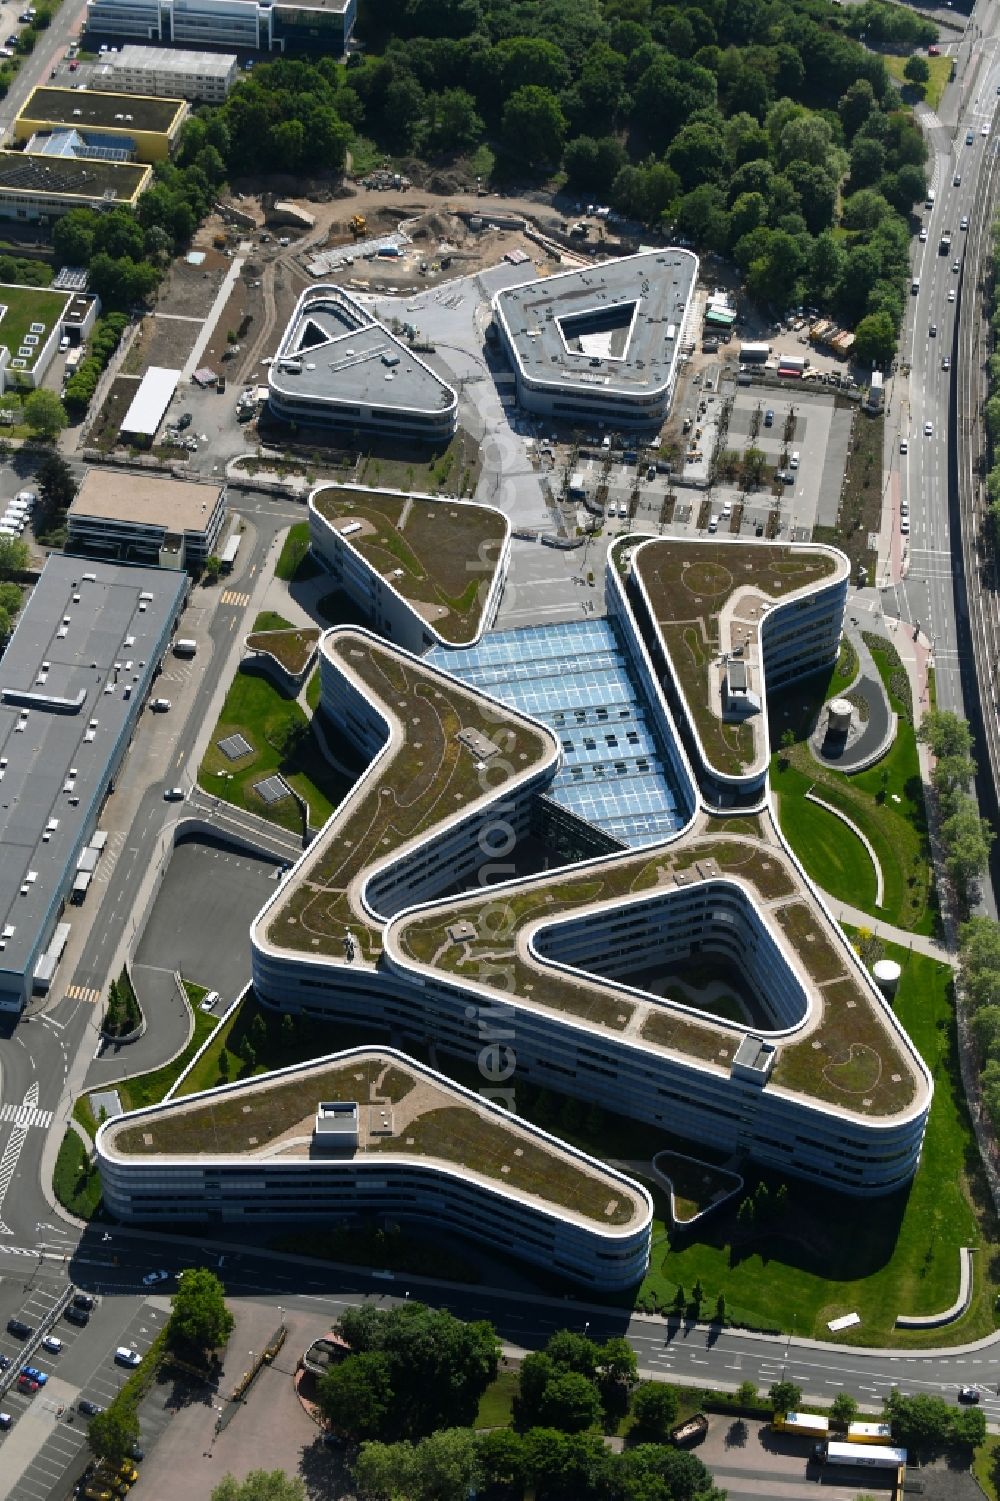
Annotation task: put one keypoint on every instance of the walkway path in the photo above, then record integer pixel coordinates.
(916, 942)
(212, 318)
(812, 797)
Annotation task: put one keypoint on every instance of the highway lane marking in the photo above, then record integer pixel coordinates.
(12, 1154)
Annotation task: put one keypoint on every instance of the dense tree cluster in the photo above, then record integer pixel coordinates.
(199, 1319)
(753, 130)
(411, 1370)
(574, 1382)
(966, 838)
(979, 953)
(926, 1424)
(502, 1465)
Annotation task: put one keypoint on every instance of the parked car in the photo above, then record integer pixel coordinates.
(52, 1343)
(34, 1374)
(6, 1421)
(769, 418)
(125, 1356)
(19, 1329)
(84, 1301)
(26, 1385)
(88, 1408)
(152, 1278)
(78, 1316)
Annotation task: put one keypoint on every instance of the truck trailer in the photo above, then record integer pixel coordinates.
(861, 1456)
(869, 1433)
(808, 1424)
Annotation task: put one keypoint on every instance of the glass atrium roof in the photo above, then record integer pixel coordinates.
(576, 678)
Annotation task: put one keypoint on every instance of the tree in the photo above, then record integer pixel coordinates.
(918, 1422)
(212, 568)
(945, 733)
(784, 1396)
(654, 1410)
(355, 1395)
(14, 556)
(45, 414)
(454, 123)
(386, 1471)
(260, 1485)
(967, 839)
(56, 486)
(571, 1351)
(917, 69)
(616, 1363)
(746, 1394)
(534, 126)
(979, 952)
(199, 1319)
(501, 1459)
(875, 341)
(569, 1402)
(112, 1433)
(843, 1409)
(968, 1427)
(446, 1465)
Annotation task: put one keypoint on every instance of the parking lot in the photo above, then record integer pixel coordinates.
(45, 1443)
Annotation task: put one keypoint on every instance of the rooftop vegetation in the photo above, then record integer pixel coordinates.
(429, 777)
(290, 648)
(440, 555)
(689, 585)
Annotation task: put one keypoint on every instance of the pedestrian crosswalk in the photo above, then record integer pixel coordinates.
(26, 1115)
(234, 597)
(89, 993)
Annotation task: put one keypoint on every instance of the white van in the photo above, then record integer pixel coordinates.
(930, 197)
(793, 462)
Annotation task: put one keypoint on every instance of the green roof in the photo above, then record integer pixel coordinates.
(440, 555)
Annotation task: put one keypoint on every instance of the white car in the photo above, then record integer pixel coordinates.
(713, 524)
(125, 1356)
(922, 237)
(152, 1278)
(928, 429)
(951, 294)
(727, 510)
(963, 223)
(956, 266)
(904, 508)
(793, 462)
(985, 130)
(904, 525)
(52, 1344)
(904, 446)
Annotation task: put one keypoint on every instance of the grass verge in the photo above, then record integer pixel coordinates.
(283, 741)
(76, 1182)
(861, 503)
(270, 620)
(294, 560)
(496, 1405)
(149, 1089)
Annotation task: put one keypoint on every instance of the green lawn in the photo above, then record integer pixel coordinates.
(826, 1255)
(295, 560)
(76, 1183)
(283, 742)
(940, 74)
(496, 1405)
(986, 1467)
(832, 855)
(897, 829)
(270, 620)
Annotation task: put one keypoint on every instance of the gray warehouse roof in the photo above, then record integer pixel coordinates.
(616, 325)
(333, 350)
(87, 626)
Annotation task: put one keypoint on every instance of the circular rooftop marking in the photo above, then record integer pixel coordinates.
(707, 578)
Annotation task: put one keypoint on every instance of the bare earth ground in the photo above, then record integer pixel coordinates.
(160, 341)
(270, 1432)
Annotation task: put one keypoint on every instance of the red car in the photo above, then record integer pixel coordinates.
(27, 1385)
(73, 66)
(934, 52)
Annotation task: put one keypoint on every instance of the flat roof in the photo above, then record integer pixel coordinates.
(339, 7)
(171, 505)
(614, 327)
(333, 350)
(722, 590)
(27, 318)
(150, 402)
(84, 109)
(73, 664)
(273, 1117)
(169, 60)
(844, 1050)
(422, 547)
(71, 177)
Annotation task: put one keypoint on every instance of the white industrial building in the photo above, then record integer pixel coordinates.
(338, 367)
(601, 345)
(323, 26)
(175, 74)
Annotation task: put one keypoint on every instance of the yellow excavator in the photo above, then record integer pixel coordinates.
(359, 226)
